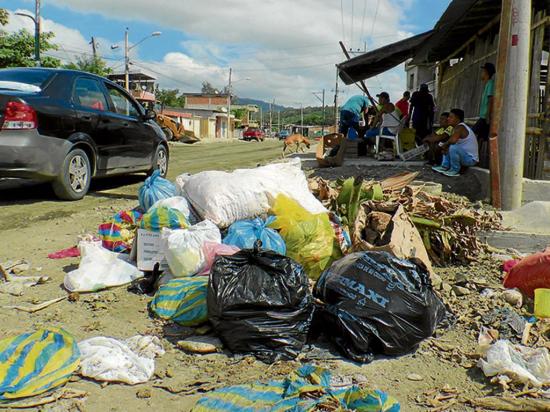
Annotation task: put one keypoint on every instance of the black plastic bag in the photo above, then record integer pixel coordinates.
(376, 303)
(259, 302)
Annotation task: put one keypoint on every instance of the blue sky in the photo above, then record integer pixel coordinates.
(285, 49)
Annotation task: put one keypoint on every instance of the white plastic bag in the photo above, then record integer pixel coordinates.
(520, 363)
(107, 359)
(184, 248)
(225, 198)
(99, 268)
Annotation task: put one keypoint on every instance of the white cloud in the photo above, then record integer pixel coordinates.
(287, 48)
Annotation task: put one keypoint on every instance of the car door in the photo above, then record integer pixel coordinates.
(92, 118)
(139, 136)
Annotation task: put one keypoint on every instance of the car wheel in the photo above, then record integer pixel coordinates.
(160, 161)
(168, 133)
(74, 181)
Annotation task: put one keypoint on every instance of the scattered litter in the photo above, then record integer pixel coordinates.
(514, 297)
(306, 389)
(118, 234)
(155, 188)
(542, 303)
(259, 303)
(64, 393)
(182, 300)
(179, 203)
(201, 344)
(144, 393)
(245, 233)
(212, 250)
(45, 360)
(12, 283)
(520, 363)
(498, 403)
(376, 303)
(108, 359)
(37, 307)
(65, 253)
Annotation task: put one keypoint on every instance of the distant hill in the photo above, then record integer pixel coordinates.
(260, 103)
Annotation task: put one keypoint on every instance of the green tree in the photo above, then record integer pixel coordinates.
(207, 88)
(170, 97)
(17, 49)
(90, 64)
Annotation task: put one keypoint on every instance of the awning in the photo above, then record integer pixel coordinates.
(382, 59)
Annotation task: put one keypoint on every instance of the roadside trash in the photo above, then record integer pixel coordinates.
(184, 247)
(37, 307)
(12, 283)
(201, 344)
(309, 238)
(341, 234)
(33, 363)
(386, 227)
(376, 303)
(117, 235)
(259, 302)
(509, 324)
(163, 217)
(99, 269)
(331, 150)
(520, 363)
(245, 233)
(149, 250)
(542, 303)
(155, 188)
(65, 253)
(182, 300)
(212, 250)
(148, 284)
(514, 297)
(179, 203)
(225, 198)
(108, 359)
(306, 389)
(532, 272)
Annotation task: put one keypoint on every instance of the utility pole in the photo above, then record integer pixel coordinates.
(229, 104)
(126, 61)
(94, 47)
(302, 118)
(324, 115)
(270, 120)
(261, 118)
(279, 120)
(37, 32)
(336, 103)
(515, 98)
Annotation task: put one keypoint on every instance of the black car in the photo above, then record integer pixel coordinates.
(67, 126)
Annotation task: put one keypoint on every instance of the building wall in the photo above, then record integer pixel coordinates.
(205, 101)
(460, 85)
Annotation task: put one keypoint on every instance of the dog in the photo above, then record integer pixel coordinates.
(298, 140)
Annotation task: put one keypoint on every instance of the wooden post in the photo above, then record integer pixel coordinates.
(535, 154)
(514, 109)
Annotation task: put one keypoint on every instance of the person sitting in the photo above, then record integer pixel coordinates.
(387, 120)
(441, 134)
(351, 114)
(461, 149)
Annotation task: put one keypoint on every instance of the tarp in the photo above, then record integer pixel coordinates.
(382, 59)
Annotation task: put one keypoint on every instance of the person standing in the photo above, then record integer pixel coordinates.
(352, 112)
(421, 112)
(481, 128)
(403, 104)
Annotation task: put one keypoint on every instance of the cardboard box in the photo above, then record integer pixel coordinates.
(148, 246)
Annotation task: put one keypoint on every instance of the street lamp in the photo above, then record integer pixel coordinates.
(127, 49)
(229, 100)
(36, 20)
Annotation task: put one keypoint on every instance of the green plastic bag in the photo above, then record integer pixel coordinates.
(309, 238)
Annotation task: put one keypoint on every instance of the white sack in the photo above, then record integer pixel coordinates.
(183, 248)
(225, 198)
(521, 363)
(107, 359)
(99, 268)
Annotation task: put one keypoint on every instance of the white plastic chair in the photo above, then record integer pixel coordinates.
(394, 139)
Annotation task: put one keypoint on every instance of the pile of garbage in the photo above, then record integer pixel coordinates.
(263, 262)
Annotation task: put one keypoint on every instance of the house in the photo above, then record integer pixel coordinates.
(204, 123)
(141, 85)
(468, 34)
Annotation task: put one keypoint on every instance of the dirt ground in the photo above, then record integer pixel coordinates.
(33, 223)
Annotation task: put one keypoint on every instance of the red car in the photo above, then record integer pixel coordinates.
(254, 134)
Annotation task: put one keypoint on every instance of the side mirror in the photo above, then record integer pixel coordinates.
(150, 115)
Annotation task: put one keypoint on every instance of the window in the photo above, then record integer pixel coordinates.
(411, 82)
(123, 105)
(26, 76)
(87, 93)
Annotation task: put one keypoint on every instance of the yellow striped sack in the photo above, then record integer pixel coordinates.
(33, 363)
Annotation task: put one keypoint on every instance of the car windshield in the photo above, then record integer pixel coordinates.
(24, 80)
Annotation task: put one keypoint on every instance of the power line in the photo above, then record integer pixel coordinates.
(352, 21)
(363, 20)
(342, 16)
(375, 16)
